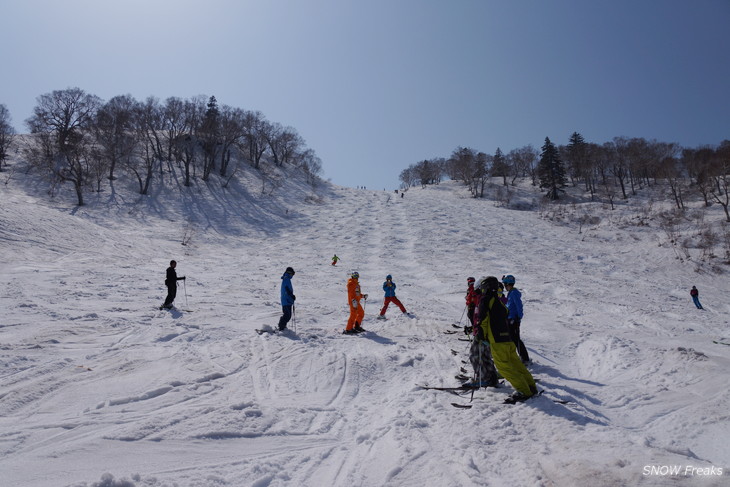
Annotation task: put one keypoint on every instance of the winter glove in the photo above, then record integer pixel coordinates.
(354, 303)
(468, 330)
(480, 333)
(293, 298)
(365, 296)
(183, 278)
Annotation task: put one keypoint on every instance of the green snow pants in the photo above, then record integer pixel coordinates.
(510, 366)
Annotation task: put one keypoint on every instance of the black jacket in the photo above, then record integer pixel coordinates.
(493, 316)
(171, 278)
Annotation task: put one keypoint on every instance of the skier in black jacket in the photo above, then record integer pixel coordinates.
(171, 283)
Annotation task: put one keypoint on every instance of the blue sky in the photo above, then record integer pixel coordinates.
(374, 86)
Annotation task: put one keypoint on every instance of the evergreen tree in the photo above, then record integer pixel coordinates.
(209, 134)
(550, 170)
(500, 168)
(575, 154)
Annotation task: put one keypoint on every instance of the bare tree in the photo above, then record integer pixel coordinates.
(254, 144)
(698, 163)
(407, 177)
(311, 164)
(522, 163)
(62, 118)
(7, 133)
(482, 164)
(462, 166)
(231, 132)
(720, 189)
(620, 165)
(112, 128)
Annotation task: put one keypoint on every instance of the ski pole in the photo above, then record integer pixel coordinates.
(294, 317)
(185, 290)
(462, 314)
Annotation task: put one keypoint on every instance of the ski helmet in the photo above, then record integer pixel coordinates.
(489, 283)
(508, 279)
(355, 275)
(470, 279)
(290, 271)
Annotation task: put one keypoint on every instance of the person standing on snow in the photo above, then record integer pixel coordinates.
(389, 288)
(480, 355)
(514, 315)
(335, 259)
(287, 298)
(171, 283)
(493, 325)
(695, 297)
(357, 313)
(472, 299)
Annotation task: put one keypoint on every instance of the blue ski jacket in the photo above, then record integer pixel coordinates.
(287, 291)
(389, 289)
(514, 304)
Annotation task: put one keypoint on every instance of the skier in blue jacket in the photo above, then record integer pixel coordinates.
(389, 289)
(287, 298)
(514, 315)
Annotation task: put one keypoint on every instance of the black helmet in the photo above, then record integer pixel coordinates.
(489, 283)
(289, 270)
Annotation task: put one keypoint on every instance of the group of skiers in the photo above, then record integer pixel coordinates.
(496, 347)
(494, 323)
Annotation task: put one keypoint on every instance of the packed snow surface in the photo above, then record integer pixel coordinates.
(98, 387)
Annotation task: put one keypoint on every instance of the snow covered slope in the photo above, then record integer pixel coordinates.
(100, 388)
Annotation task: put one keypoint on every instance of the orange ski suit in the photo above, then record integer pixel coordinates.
(357, 313)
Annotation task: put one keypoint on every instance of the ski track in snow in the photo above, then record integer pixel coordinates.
(96, 379)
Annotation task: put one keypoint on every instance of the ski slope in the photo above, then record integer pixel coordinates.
(100, 388)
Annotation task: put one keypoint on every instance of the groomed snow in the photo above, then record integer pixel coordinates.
(100, 388)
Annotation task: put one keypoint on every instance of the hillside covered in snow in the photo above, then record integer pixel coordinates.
(98, 387)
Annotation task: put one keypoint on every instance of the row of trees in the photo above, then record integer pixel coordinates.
(79, 138)
(614, 169)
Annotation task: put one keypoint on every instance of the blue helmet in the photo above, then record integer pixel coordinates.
(355, 275)
(508, 279)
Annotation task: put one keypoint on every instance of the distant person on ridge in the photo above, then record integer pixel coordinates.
(696, 297)
(389, 288)
(335, 259)
(514, 315)
(357, 313)
(493, 326)
(171, 283)
(287, 298)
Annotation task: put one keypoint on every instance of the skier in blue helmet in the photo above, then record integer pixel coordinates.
(514, 315)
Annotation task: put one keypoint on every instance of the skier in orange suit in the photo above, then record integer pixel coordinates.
(357, 313)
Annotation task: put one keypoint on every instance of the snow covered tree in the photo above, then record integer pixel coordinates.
(550, 170)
